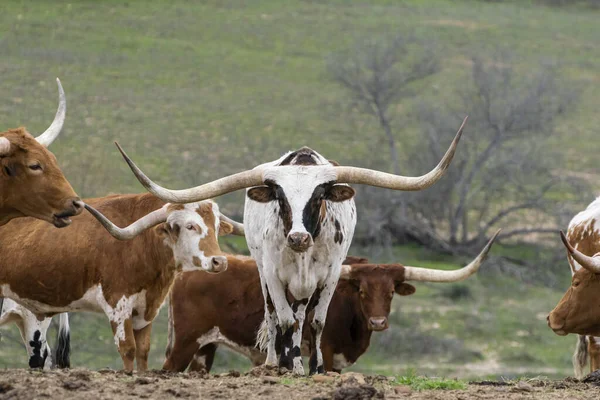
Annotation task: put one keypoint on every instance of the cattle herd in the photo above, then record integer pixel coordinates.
(299, 294)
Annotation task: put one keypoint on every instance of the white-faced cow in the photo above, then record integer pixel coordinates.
(31, 182)
(33, 332)
(574, 313)
(84, 269)
(299, 218)
(360, 306)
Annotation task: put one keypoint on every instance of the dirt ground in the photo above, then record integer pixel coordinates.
(262, 383)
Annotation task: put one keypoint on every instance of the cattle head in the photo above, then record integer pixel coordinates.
(190, 230)
(300, 185)
(577, 311)
(376, 284)
(299, 182)
(31, 182)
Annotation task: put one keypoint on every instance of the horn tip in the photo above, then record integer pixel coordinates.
(566, 242)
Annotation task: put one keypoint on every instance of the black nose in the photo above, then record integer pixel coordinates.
(299, 241)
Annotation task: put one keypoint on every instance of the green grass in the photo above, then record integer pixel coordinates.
(426, 383)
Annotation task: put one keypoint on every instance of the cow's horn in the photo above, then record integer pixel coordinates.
(434, 275)
(231, 183)
(592, 264)
(4, 146)
(131, 231)
(397, 182)
(238, 228)
(46, 138)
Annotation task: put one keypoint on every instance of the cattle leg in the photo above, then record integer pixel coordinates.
(125, 341)
(271, 323)
(142, 347)
(181, 354)
(33, 332)
(321, 298)
(594, 351)
(291, 355)
(204, 358)
(285, 322)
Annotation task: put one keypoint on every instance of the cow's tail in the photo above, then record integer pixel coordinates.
(63, 342)
(262, 337)
(580, 356)
(170, 330)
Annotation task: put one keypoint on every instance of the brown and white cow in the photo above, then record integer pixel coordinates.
(31, 182)
(83, 268)
(360, 305)
(577, 311)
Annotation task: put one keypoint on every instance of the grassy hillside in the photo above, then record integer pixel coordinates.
(195, 90)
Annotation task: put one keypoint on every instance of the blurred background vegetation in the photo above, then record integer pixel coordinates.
(197, 90)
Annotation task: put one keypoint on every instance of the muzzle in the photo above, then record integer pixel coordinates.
(378, 324)
(299, 241)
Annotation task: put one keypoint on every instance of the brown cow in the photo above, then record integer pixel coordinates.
(31, 183)
(584, 235)
(360, 305)
(85, 269)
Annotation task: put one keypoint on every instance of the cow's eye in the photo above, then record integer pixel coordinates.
(576, 283)
(189, 227)
(35, 167)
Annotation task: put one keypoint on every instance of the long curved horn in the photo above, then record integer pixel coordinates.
(131, 231)
(46, 138)
(231, 183)
(238, 228)
(592, 264)
(434, 275)
(4, 146)
(397, 182)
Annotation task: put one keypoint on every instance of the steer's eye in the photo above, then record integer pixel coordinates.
(189, 227)
(35, 167)
(576, 283)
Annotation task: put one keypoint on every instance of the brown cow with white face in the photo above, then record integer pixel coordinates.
(31, 182)
(83, 268)
(575, 313)
(360, 305)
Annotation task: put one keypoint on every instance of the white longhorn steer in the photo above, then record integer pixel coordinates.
(299, 219)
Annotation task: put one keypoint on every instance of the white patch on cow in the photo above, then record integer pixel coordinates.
(215, 336)
(340, 362)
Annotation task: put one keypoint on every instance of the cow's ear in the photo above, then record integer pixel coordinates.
(339, 193)
(163, 230)
(334, 163)
(404, 289)
(225, 228)
(262, 194)
(167, 231)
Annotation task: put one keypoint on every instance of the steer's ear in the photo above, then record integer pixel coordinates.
(165, 230)
(339, 193)
(262, 194)
(225, 228)
(404, 289)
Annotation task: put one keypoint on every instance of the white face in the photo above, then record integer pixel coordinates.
(191, 232)
(298, 183)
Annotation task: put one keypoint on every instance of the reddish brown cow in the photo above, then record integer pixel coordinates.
(31, 182)
(361, 304)
(84, 269)
(573, 314)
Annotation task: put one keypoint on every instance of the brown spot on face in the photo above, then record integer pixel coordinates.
(209, 244)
